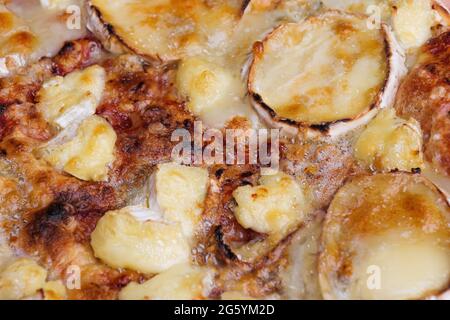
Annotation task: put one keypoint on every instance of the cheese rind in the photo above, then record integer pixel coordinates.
(326, 75)
(324, 69)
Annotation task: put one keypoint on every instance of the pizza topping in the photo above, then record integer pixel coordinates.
(30, 31)
(214, 92)
(275, 208)
(54, 290)
(386, 236)
(180, 193)
(21, 279)
(73, 98)
(181, 282)
(412, 21)
(170, 29)
(56, 4)
(325, 70)
(390, 143)
(85, 152)
(17, 42)
(122, 241)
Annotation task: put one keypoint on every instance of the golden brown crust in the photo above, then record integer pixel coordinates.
(425, 96)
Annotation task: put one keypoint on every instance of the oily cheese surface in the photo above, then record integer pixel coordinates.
(397, 229)
(170, 29)
(327, 68)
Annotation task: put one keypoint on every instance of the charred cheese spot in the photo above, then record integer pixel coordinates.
(20, 279)
(386, 236)
(412, 21)
(122, 241)
(180, 193)
(327, 68)
(73, 98)
(389, 143)
(88, 154)
(181, 282)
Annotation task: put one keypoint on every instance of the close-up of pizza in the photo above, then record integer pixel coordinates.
(224, 150)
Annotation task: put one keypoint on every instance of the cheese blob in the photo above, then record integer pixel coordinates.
(386, 236)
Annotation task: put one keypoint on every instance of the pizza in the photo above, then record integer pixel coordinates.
(224, 150)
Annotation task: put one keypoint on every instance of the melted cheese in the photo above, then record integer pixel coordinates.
(408, 266)
(56, 4)
(181, 282)
(88, 154)
(214, 44)
(171, 29)
(20, 279)
(215, 93)
(368, 7)
(272, 207)
(325, 69)
(390, 143)
(122, 241)
(180, 193)
(412, 22)
(386, 236)
(30, 31)
(17, 42)
(276, 208)
(54, 290)
(73, 98)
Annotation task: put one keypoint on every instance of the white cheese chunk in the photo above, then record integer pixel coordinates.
(88, 154)
(390, 143)
(412, 22)
(73, 98)
(181, 282)
(273, 207)
(180, 193)
(122, 241)
(20, 279)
